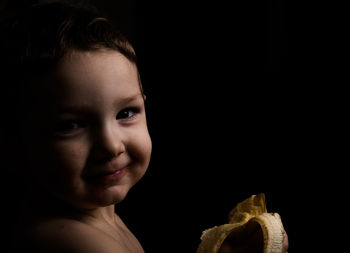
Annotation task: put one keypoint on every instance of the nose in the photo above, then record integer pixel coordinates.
(107, 143)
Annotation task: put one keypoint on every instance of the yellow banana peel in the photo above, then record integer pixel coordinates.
(250, 211)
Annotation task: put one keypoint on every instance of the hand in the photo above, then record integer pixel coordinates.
(249, 239)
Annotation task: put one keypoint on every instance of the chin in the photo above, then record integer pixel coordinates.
(113, 195)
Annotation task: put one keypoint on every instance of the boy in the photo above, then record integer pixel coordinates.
(80, 119)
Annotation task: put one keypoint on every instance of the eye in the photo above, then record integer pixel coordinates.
(69, 125)
(127, 113)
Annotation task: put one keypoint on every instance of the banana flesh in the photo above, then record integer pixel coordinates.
(251, 211)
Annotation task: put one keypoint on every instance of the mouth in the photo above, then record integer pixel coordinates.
(113, 173)
(107, 178)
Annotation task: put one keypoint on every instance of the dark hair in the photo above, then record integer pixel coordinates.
(36, 39)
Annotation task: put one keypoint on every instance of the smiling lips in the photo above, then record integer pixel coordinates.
(107, 178)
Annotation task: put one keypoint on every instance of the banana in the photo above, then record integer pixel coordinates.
(248, 215)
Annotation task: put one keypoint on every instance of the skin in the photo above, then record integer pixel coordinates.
(84, 119)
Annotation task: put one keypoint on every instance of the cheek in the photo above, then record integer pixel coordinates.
(67, 157)
(141, 146)
(59, 161)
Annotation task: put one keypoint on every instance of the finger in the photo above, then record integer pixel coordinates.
(285, 244)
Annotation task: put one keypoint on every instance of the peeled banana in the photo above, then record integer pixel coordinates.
(249, 214)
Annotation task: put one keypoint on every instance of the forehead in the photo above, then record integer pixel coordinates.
(95, 67)
(99, 73)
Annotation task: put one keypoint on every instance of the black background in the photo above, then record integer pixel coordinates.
(230, 115)
(220, 130)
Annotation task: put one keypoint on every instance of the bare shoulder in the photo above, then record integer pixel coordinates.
(70, 236)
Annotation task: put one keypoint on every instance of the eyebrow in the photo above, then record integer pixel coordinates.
(129, 99)
(86, 110)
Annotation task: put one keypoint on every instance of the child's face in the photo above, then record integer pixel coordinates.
(87, 138)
